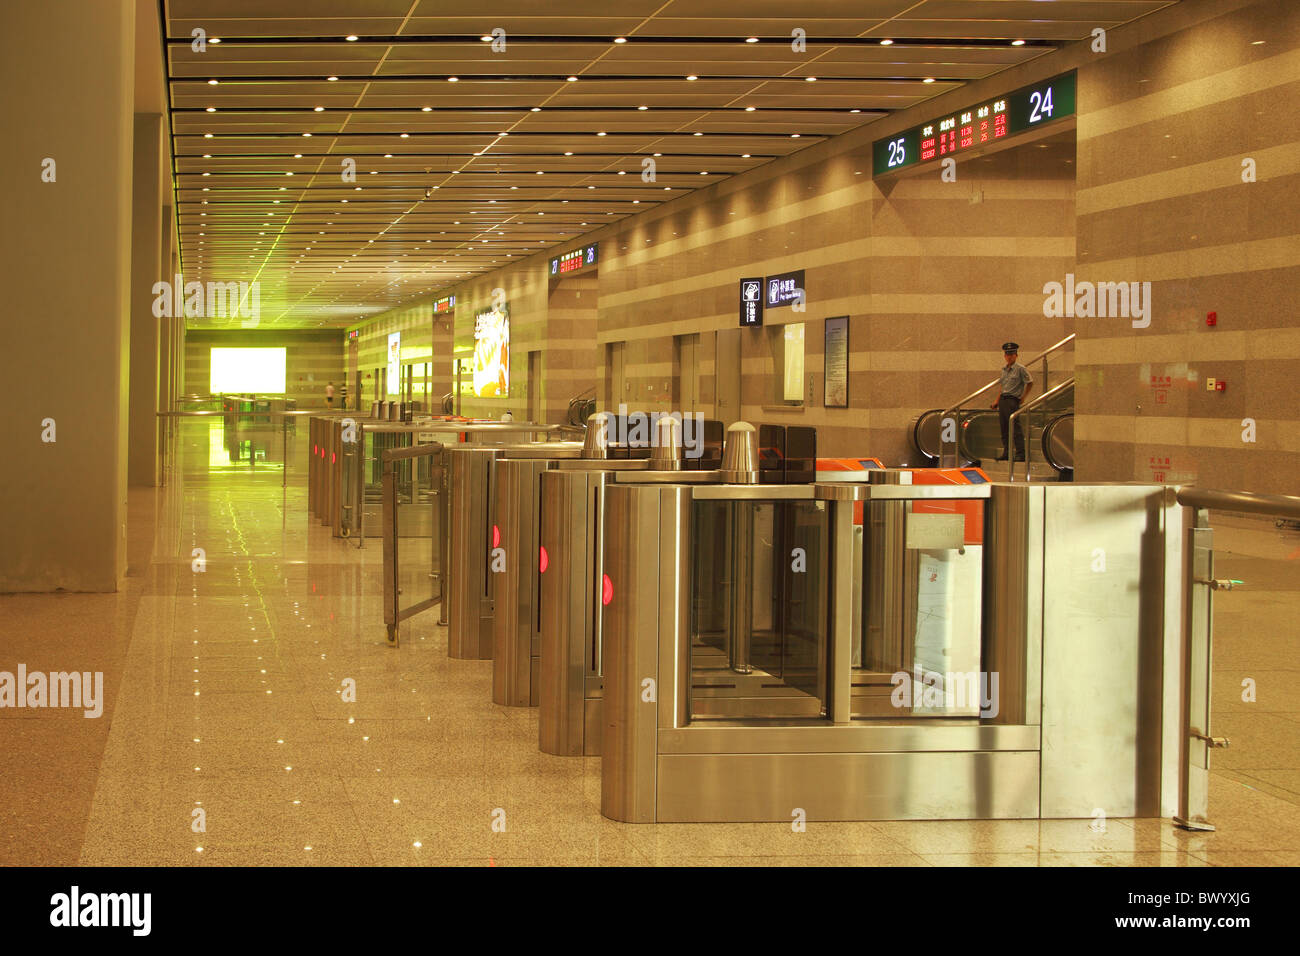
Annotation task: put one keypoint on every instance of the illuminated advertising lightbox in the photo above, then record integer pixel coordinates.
(394, 362)
(492, 353)
(989, 122)
(235, 371)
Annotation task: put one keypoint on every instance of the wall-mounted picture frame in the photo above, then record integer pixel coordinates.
(836, 354)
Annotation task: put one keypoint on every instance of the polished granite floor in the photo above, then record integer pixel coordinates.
(225, 706)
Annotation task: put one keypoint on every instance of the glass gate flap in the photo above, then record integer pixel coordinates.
(918, 586)
(759, 608)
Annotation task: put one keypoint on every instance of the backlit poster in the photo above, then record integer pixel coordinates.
(492, 353)
(394, 362)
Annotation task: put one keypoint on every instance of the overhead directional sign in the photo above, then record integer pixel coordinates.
(988, 122)
(751, 301)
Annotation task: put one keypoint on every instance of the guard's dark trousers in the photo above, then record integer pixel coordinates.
(1007, 406)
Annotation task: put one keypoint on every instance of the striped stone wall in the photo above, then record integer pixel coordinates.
(1163, 148)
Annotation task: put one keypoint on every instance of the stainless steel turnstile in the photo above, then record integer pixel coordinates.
(570, 586)
(516, 567)
(472, 539)
(1017, 653)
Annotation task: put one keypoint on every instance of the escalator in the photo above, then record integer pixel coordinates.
(1049, 432)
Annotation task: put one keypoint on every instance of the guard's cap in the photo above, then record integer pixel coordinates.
(1010, 347)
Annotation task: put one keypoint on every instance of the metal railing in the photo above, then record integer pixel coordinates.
(1199, 585)
(394, 614)
(1014, 419)
(956, 453)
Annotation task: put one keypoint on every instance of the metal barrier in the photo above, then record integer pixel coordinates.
(1001, 664)
(394, 614)
(1199, 585)
(472, 538)
(570, 572)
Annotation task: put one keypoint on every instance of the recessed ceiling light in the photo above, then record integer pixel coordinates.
(212, 82)
(536, 109)
(600, 133)
(332, 79)
(207, 136)
(744, 155)
(207, 155)
(404, 135)
(751, 39)
(643, 108)
(810, 79)
(855, 111)
(351, 37)
(308, 135)
(699, 134)
(794, 135)
(886, 42)
(620, 39)
(297, 155)
(1017, 42)
(486, 38)
(453, 79)
(426, 109)
(572, 79)
(319, 109)
(692, 77)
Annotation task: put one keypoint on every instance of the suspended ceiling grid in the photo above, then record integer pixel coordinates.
(465, 155)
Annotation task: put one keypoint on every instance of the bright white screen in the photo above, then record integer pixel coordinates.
(247, 371)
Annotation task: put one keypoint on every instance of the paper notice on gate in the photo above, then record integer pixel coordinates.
(927, 532)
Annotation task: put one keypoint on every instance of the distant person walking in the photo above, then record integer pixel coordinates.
(329, 397)
(1016, 384)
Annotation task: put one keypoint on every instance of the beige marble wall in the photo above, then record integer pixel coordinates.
(1162, 142)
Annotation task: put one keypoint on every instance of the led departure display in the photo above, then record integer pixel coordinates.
(989, 122)
(575, 260)
(445, 304)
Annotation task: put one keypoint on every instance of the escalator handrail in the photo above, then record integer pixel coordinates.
(1048, 429)
(1014, 418)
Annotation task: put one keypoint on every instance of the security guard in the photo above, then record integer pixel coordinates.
(1016, 385)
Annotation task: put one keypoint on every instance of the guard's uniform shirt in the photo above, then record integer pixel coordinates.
(1013, 379)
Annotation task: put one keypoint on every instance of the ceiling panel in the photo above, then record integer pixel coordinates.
(350, 176)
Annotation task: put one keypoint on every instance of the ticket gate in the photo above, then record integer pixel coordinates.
(473, 540)
(570, 585)
(1017, 652)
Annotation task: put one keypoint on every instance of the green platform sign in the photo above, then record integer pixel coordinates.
(967, 130)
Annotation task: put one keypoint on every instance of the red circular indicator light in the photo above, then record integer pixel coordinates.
(496, 537)
(543, 559)
(606, 590)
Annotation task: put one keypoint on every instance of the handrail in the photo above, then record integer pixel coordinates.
(1277, 506)
(1014, 417)
(948, 411)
